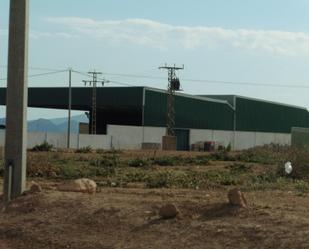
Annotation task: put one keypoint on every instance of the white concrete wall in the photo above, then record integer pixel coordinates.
(264, 138)
(125, 137)
(239, 140)
(244, 140)
(94, 141)
(153, 134)
(224, 137)
(59, 140)
(201, 135)
(132, 137)
(282, 138)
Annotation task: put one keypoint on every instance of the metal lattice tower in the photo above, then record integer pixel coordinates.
(171, 89)
(94, 83)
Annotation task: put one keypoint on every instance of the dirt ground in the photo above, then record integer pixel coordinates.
(127, 218)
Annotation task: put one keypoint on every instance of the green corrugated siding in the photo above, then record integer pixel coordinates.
(253, 115)
(57, 97)
(189, 112)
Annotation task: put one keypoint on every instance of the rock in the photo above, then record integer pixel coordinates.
(236, 198)
(83, 185)
(3, 245)
(35, 188)
(168, 211)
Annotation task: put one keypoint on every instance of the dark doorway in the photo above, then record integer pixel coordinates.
(183, 136)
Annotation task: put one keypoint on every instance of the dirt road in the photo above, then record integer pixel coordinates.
(127, 218)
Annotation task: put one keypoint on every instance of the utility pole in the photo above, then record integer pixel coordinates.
(173, 86)
(69, 108)
(94, 83)
(16, 101)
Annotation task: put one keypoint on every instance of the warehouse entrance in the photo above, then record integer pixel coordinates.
(183, 136)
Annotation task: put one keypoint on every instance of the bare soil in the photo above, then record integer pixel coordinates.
(128, 218)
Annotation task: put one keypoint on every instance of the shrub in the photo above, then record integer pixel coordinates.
(267, 177)
(300, 163)
(221, 178)
(86, 149)
(139, 163)
(198, 160)
(239, 168)
(166, 161)
(267, 154)
(158, 180)
(222, 155)
(302, 187)
(135, 176)
(43, 147)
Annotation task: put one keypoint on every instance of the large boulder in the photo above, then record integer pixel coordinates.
(83, 185)
(236, 198)
(168, 211)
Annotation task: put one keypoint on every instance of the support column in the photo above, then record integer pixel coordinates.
(16, 101)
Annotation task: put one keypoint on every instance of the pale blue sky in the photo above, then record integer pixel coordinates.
(262, 41)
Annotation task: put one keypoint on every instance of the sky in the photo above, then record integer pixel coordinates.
(221, 43)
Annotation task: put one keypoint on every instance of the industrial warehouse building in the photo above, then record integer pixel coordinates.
(131, 116)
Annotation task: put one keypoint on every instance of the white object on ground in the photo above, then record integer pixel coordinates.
(288, 168)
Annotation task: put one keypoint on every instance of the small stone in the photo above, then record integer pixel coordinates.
(83, 185)
(236, 198)
(35, 188)
(168, 211)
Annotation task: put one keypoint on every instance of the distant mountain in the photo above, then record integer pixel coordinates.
(78, 118)
(42, 125)
(59, 125)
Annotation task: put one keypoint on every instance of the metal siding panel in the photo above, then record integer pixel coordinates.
(262, 116)
(189, 112)
(56, 97)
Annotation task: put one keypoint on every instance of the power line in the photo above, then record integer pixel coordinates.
(38, 68)
(41, 74)
(246, 83)
(120, 83)
(206, 81)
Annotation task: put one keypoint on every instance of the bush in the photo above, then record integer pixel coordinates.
(302, 187)
(267, 154)
(222, 155)
(43, 147)
(158, 180)
(198, 160)
(239, 168)
(267, 177)
(86, 149)
(166, 161)
(300, 163)
(139, 163)
(221, 178)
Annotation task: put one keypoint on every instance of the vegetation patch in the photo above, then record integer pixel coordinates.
(86, 149)
(43, 147)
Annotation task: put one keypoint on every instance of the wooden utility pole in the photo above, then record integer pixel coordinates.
(16, 101)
